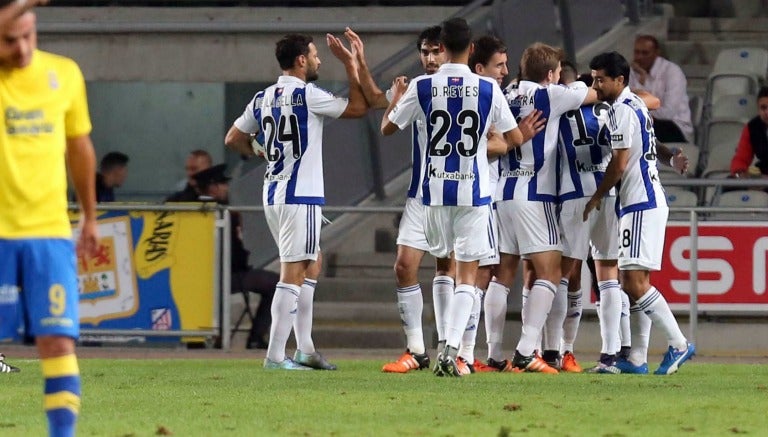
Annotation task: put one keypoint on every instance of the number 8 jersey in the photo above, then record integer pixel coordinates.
(457, 107)
(288, 117)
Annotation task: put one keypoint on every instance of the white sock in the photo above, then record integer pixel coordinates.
(458, 315)
(535, 314)
(468, 339)
(302, 325)
(410, 302)
(655, 306)
(284, 307)
(641, 333)
(610, 315)
(572, 320)
(442, 292)
(524, 294)
(495, 305)
(625, 332)
(553, 326)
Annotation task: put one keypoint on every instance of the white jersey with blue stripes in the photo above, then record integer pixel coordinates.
(585, 150)
(631, 127)
(530, 171)
(288, 120)
(418, 142)
(457, 107)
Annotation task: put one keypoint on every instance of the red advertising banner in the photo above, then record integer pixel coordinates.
(731, 266)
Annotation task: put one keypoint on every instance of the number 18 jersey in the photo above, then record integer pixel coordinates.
(457, 107)
(288, 117)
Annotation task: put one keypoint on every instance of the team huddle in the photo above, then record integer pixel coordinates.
(548, 170)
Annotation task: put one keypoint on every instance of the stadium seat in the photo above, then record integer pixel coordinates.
(741, 199)
(721, 140)
(709, 193)
(680, 197)
(737, 71)
(696, 104)
(737, 107)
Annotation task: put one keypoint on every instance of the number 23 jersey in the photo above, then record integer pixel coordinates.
(457, 108)
(288, 119)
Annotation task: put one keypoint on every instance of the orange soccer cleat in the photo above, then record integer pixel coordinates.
(408, 361)
(569, 363)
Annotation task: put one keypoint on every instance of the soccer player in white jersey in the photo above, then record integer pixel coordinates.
(643, 210)
(411, 240)
(527, 194)
(458, 108)
(288, 119)
(489, 59)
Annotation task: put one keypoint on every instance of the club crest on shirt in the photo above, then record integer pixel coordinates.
(53, 81)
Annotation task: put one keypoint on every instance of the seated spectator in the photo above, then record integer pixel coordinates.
(665, 80)
(754, 141)
(213, 183)
(113, 170)
(197, 161)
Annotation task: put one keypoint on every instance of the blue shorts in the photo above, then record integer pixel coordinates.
(38, 288)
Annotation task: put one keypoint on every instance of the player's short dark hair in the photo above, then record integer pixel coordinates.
(586, 78)
(762, 93)
(538, 60)
(291, 47)
(113, 160)
(485, 47)
(455, 35)
(430, 35)
(613, 63)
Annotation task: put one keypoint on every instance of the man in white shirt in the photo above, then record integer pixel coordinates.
(665, 80)
(287, 118)
(458, 108)
(642, 211)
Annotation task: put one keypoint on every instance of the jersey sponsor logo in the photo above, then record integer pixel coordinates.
(583, 167)
(53, 81)
(277, 177)
(19, 122)
(517, 173)
(9, 294)
(449, 175)
(617, 137)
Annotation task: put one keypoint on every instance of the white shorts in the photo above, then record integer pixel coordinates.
(601, 229)
(641, 239)
(411, 230)
(296, 230)
(464, 230)
(495, 258)
(527, 227)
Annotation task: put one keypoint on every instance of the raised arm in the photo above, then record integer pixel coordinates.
(357, 106)
(399, 86)
(13, 9)
(375, 97)
(651, 101)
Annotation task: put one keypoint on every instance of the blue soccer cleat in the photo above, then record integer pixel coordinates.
(623, 365)
(286, 364)
(674, 358)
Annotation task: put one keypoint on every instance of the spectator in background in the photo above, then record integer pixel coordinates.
(665, 80)
(754, 141)
(213, 183)
(198, 160)
(113, 170)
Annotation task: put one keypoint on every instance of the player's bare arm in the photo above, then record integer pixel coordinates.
(81, 160)
(375, 97)
(357, 105)
(399, 85)
(239, 141)
(12, 9)
(613, 174)
(651, 101)
(674, 158)
(591, 97)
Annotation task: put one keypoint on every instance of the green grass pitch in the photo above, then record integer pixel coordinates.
(196, 397)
